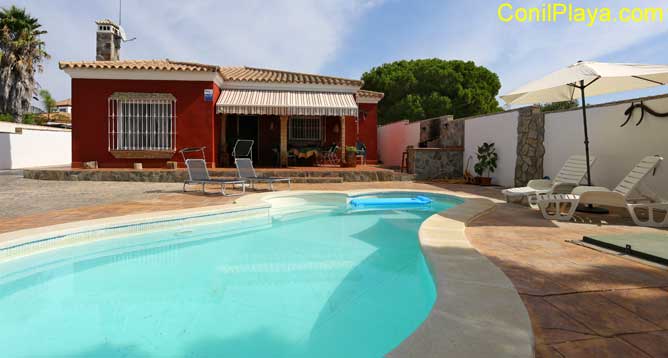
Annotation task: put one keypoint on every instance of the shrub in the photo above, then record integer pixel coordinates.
(29, 118)
(487, 158)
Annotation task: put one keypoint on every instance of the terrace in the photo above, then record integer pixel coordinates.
(582, 301)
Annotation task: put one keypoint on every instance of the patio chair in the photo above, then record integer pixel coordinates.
(331, 155)
(198, 174)
(361, 151)
(570, 176)
(627, 194)
(247, 172)
(243, 148)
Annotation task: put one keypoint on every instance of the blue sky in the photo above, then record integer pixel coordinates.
(345, 37)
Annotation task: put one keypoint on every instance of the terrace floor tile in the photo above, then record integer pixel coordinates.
(599, 348)
(601, 315)
(652, 343)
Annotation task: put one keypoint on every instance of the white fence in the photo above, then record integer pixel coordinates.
(26, 146)
(617, 149)
(500, 129)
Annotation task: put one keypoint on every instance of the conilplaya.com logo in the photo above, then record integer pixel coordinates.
(557, 12)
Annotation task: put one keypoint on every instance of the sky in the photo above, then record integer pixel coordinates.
(345, 37)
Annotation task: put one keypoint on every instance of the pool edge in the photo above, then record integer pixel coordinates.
(493, 323)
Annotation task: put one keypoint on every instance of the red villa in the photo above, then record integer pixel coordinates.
(126, 111)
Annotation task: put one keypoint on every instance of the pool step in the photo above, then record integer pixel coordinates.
(317, 180)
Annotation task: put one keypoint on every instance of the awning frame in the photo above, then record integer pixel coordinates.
(286, 103)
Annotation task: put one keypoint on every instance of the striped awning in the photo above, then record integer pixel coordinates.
(286, 103)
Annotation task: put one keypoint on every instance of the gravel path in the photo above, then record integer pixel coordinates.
(19, 196)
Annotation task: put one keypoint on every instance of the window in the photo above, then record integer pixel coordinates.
(142, 122)
(305, 128)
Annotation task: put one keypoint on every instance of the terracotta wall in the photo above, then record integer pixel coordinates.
(194, 118)
(368, 129)
(196, 121)
(393, 139)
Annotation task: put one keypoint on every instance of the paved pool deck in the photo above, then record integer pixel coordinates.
(582, 302)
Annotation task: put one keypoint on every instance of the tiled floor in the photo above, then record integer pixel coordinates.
(582, 302)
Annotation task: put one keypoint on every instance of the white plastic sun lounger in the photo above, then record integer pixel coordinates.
(627, 194)
(247, 172)
(570, 176)
(198, 174)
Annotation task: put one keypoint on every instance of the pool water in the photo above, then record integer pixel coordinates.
(313, 280)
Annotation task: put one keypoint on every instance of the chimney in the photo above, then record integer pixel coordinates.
(109, 37)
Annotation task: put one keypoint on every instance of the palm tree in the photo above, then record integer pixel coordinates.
(21, 55)
(48, 101)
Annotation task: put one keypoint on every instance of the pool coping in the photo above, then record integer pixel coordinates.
(477, 313)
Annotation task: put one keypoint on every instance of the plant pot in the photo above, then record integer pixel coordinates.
(485, 181)
(351, 159)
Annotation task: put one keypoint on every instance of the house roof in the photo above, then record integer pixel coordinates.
(105, 22)
(249, 74)
(151, 65)
(372, 94)
(64, 103)
(253, 74)
(232, 74)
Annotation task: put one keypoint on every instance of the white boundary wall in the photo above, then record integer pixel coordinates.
(393, 139)
(34, 146)
(617, 150)
(501, 129)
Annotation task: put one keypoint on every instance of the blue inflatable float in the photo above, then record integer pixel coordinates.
(390, 203)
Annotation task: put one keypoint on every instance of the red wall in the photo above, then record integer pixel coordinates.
(194, 118)
(368, 131)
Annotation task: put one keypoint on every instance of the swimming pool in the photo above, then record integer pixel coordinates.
(313, 278)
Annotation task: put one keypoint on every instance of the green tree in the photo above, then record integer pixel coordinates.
(419, 89)
(48, 102)
(558, 106)
(21, 56)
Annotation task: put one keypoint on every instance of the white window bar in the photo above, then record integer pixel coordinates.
(305, 128)
(141, 121)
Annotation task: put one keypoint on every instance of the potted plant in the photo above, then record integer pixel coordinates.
(487, 158)
(351, 157)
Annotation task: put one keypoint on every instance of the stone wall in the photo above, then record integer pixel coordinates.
(441, 132)
(107, 47)
(436, 163)
(305, 175)
(530, 148)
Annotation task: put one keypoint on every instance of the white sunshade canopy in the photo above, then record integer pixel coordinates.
(290, 103)
(599, 78)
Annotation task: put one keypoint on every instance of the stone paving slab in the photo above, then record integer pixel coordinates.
(601, 315)
(582, 302)
(551, 326)
(600, 348)
(651, 304)
(653, 343)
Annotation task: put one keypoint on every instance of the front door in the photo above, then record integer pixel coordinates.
(243, 127)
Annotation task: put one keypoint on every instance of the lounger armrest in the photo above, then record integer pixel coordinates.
(651, 220)
(602, 197)
(660, 206)
(579, 190)
(563, 188)
(540, 184)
